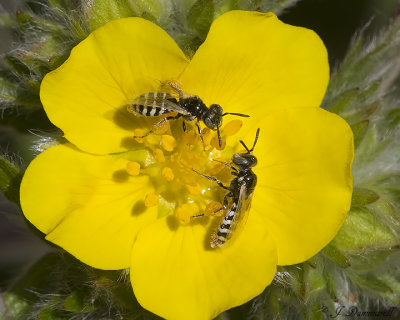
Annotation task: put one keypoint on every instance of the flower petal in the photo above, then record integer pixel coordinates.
(86, 204)
(176, 275)
(86, 96)
(253, 63)
(304, 179)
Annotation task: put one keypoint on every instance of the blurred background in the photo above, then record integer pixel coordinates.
(336, 21)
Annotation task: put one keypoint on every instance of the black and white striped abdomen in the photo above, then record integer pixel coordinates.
(148, 111)
(151, 104)
(224, 230)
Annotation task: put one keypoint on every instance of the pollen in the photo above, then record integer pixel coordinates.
(138, 133)
(168, 142)
(159, 155)
(133, 168)
(162, 128)
(186, 211)
(215, 143)
(232, 127)
(167, 173)
(151, 199)
(193, 189)
(213, 208)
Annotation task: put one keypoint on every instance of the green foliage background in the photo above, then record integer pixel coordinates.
(360, 267)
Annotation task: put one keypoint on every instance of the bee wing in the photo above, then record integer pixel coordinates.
(242, 213)
(158, 99)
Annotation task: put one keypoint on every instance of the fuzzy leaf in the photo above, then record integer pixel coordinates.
(10, 179)
(359, 131)
(363, 230)
(103, 11)
(201, 15)
(277, 6)
(336, 256)
(363, 196)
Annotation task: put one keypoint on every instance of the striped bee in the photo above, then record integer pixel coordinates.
(189, 107)
(240, 190)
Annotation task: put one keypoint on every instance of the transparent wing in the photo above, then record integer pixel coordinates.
(159, 99)
(242, 213)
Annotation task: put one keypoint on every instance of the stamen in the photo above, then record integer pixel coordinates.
(167, 173)
(138, 133)
(193, 189)
(151, 199)
(168, 142)
(215, 143)
(133, 168)
(186, 211)
(159, 155)
(213, 208)
(232, 127)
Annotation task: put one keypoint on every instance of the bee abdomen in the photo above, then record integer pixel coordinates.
(148, 111)
(220, 237)
(150, 104)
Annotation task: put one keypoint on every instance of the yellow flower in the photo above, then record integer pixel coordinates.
(117, 202)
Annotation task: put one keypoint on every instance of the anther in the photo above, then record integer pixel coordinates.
(168, 142)
(232, 127)
(133, 168)
(151, 199)
(215, 143)
(193, 189)
(137, 133)
(159, 155)
(213, 208)
(186, 211)
(167, 173)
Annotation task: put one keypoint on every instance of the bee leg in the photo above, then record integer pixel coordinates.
(228, 195)
(159, 123)
(201, 136)
(197, 215)
(213, 179)
(184, 126)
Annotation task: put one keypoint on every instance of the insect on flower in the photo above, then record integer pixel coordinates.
(190, 107)
(240, 190)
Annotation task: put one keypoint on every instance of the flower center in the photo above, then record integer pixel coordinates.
(178, 161)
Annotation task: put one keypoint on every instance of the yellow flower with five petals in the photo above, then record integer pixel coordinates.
(115, 202)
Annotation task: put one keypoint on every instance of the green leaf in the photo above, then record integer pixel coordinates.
(364, 231)
(336, 256)
(17, 65)
(103, 11)
(370, 281)
(363, 196)
(359, 131)
(201, 15)
(277, 6)
(10, 179)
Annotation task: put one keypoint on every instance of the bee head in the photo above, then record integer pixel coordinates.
(212, 118)
(244, 160)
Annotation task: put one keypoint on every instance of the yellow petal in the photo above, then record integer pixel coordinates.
(176, 274)
(86, 96)
(304, 179)
(253, 63)
(88, 205)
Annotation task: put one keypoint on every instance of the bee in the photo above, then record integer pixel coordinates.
(189, 107)
(240, 190)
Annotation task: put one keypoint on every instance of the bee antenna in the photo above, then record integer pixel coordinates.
(236, 114)
(243, 144)
(219, 137)
(255, 140)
